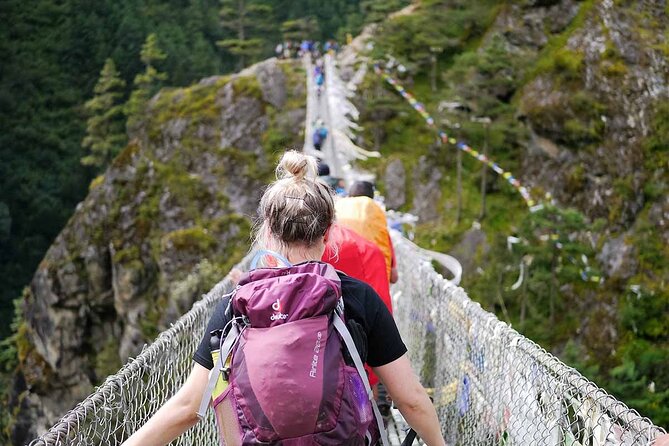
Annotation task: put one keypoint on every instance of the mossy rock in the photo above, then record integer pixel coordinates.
(126, 156)
(106, 361)
(190, 239)
(247, 86)
(127, 254)
(95, 182)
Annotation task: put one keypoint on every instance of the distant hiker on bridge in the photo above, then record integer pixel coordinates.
(305, 47)
(319, 135)
(338, 185)
(361, 213)
(268, 390)
(324, 175)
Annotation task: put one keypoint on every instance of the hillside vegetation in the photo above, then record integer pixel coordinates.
(575, 92)
(577, 97)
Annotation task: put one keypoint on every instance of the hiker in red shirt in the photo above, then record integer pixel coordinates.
(356, 256)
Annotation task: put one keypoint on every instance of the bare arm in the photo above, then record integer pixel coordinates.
(393, 275)
(411, 399)
(176, 416)
(662, 440)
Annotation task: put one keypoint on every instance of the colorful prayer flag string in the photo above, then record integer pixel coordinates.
(420, 108)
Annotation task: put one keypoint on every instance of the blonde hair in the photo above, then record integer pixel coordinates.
(297, 209)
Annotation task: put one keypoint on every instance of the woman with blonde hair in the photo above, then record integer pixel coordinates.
(295, 215)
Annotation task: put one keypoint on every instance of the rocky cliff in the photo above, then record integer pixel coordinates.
(163, 224)
(577, 93)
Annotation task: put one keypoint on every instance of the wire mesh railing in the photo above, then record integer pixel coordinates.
(490, 384)
(126, 400)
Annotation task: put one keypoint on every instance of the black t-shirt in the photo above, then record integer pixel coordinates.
(361, 304)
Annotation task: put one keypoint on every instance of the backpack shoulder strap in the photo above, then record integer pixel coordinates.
(227, 346)
(340, 326)
(266, 252)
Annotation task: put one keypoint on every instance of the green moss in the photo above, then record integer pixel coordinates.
(96, 182)
(623, 192)
(247, 164)
(247, 86)
(575, 179)
(106, 361)
(150, 323)
(612, 64)
(126, 156)
(614, 68)
(196, 104)
(127, 255)
(565, 64)
(575, 122)
(186, 192)
(22, 342)
(276, 139)
(190, 239)
(295, 84)
(554, 54)
(656, 153)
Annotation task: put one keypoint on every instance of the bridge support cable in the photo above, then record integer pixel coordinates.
(310, 118)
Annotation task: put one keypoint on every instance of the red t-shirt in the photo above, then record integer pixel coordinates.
(359, 258)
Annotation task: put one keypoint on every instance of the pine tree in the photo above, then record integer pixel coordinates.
(146, 84)
(104, 129)
(300, 29)
(249, 21)
(378, 10)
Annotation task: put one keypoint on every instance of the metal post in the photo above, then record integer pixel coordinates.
(458, 214)
(484, 170)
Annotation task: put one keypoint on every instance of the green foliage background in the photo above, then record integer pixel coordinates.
(560, 304)
(52, 54)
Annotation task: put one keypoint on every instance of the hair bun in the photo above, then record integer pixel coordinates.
(297, 165)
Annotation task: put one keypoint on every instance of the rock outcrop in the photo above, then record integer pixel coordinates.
(594, 104)
(176, 204)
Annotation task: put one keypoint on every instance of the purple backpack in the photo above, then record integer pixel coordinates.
(280, 376)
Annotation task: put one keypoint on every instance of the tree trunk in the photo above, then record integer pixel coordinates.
(523, 301)
(458, 214)
(484, 171)
(433, 73)
(241, 31)
(553, 287)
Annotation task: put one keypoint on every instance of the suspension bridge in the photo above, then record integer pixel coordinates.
(490, 385)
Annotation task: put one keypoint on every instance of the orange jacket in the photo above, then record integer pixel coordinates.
(365, 216)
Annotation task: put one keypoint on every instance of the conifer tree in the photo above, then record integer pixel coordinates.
(378, 10)
(249, 21)
(300, 29)
(5, 222)
(146, 83)
(105, 134)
